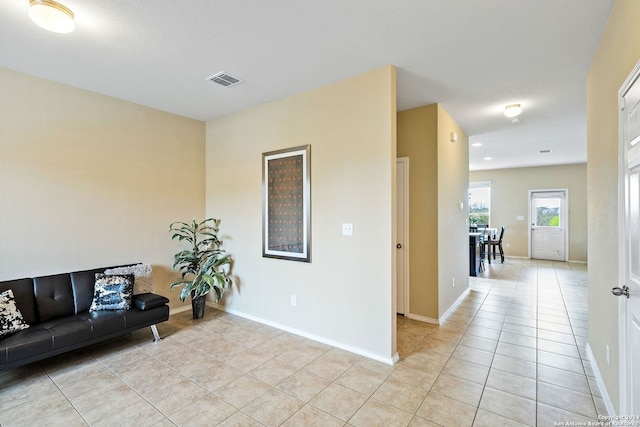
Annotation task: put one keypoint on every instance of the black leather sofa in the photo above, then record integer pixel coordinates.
(57, 310)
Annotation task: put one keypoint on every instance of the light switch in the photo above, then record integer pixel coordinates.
(520, 218)
(347, 229)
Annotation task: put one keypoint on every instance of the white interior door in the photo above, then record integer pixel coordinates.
(402, 226)
(629, 243)
(548, 224)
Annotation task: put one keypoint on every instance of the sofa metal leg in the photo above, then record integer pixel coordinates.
(156, 336)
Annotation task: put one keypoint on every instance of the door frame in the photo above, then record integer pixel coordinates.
(625, 393)
(564, 213)
(405, 237)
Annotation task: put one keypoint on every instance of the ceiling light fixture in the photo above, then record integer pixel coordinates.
(51, 16)
(477, 144)
(512, 110)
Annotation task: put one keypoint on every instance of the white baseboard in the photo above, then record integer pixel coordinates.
(388, 360)
(179, 309)
(444, 316)
(603, 389)
(574, 261)
(454, 305)
(422, 318)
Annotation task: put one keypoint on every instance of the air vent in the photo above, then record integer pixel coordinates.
(224, 79)
(545, 151)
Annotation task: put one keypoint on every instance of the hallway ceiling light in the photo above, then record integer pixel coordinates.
(512, 110)
(51, 16)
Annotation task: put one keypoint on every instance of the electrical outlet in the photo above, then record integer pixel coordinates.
(507, 245)
(293, 300)
(347, 229)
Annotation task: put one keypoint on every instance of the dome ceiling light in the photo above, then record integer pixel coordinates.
(51, 16)
(512, 110)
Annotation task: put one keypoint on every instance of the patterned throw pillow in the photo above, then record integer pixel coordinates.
(142, 272)
(112, 292)
(11, 319)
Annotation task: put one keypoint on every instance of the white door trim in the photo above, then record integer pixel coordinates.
(625, 393)
(405, 237)
(565, 216)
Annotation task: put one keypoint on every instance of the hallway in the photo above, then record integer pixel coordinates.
(514, 351)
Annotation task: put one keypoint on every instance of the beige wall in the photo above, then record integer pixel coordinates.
(617, 54)
(89, 181)
(453, 229)
(510, 198)
(438, 179)
(345, 295)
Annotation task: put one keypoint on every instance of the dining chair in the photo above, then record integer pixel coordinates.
(481, 243)
(492, 244)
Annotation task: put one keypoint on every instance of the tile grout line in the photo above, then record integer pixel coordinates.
(63, 393)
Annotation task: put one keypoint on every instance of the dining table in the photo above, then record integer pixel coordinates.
(490, 233)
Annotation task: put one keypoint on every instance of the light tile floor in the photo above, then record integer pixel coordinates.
(513, 353)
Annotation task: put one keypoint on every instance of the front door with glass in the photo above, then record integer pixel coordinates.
(548, 225)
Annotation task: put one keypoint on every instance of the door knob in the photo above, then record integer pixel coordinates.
(399, 246)
(621, 291)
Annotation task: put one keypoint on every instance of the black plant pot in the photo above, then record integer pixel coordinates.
(198, 305)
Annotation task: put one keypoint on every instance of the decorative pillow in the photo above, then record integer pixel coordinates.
(11, 319)
(142, 272)
(112, 292)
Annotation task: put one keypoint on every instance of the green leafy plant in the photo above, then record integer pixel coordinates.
(203, 261)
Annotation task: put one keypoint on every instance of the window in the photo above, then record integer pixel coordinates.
(480, 202)
(547, 211)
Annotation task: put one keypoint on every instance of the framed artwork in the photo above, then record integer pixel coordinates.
(286, 204)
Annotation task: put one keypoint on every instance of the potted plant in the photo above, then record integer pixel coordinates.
(204, 266)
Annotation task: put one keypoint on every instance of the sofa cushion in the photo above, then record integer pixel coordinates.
(142, 272)
(112, 292)
(105, 322)
(11, 319)
(54, 296)
(68, 331)
(25, 344)
(23, 293)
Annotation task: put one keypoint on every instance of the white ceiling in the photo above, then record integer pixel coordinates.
(472, 57)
